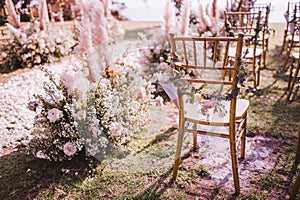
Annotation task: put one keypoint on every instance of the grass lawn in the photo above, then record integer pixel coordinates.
(144, 171)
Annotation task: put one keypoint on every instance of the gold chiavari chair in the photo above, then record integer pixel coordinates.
(249, 24)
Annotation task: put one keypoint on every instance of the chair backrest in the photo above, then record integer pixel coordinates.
(248, 23)
(292, 14)
(204, 61)
(265, 9)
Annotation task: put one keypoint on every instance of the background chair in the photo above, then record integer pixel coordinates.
(203, 61)
(248, 23)
(290, 15)
(294, 71)
(263, 39)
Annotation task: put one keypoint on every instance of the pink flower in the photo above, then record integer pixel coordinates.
(208, 104)
(159, 101)
(54, 114)
(143, 61)
(32, 105)
(163, 65)
(41, 155)
(70, 149)
(141, 93)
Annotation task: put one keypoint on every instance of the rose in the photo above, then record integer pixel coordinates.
(141, 93)
(163, 66)
(54, 114)
(159, 101)
(208, 104)
(69, 149)
(32, 105)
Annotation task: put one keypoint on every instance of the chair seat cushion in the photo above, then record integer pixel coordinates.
(194, 112)
(295, 55)
(296, 38)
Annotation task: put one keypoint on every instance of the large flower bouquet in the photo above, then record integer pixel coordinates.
(96, 105)
(66, 120)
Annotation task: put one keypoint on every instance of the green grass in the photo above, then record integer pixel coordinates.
(145, 170)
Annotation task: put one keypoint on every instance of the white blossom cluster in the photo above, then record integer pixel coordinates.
(123, 101)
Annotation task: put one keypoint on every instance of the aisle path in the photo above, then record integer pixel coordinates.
(16, 90)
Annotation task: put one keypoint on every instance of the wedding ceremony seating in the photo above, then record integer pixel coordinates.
(294, 72)
(263, 39)
(290, 15)
(208, 58)
(248, 23)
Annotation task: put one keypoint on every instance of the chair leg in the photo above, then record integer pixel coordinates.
(287, 55)
(283, 43)
(195, 145)
(295, 188)
(264, 58)
(234, 167)
(258, 75)
(290, 76)
(254, 73)
(298, 147)
(243, 139)
(294, 80)
(179, 147)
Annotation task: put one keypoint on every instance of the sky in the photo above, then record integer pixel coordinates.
(152, 10)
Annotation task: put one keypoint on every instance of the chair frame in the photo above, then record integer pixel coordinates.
(265, 9)
(296, 186)
(233, 120)
(249, 24)
(292, 9)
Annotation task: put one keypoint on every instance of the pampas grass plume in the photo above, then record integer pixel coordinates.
(13, 18)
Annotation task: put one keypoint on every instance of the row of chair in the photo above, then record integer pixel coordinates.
(216, 64)
(291, 41)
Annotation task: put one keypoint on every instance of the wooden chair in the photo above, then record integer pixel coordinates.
(291, 15)
(207, 58)
(292, 40)
(263, 40)
(34, 13)
(56, 12)
(249, 24)
(294, 72)
(296, 186)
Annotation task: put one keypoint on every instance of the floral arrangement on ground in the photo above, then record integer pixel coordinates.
(94, 106)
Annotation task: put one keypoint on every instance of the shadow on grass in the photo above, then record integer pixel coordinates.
(162, 184)
(159, 138)
(23, 177)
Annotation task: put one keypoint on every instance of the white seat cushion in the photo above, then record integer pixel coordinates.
(193, 111)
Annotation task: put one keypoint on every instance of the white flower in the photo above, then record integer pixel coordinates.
(41, 155)
(70, 149)
(54, 114)
(58, 95)
(80, 115)
(52, 49)
(3, 55)
(37, 59)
